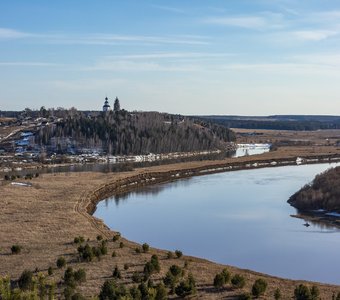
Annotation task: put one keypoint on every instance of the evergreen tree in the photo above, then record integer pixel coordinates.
(116, 105)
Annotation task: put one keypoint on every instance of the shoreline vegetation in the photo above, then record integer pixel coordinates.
(318, 201)
(45, 217)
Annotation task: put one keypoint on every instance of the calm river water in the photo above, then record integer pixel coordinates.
(239, 218)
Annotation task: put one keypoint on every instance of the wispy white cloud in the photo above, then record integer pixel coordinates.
(28, 64)
(86, 84)
(141, 66)
(103, 39)
(290, 68)
(7, 33)
(111, 39)
(263, 20)
(314, 35)
(324, 59)
(173, 55)
(251, 22)
(169, 9)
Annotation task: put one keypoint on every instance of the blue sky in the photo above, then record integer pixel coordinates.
(245, 57)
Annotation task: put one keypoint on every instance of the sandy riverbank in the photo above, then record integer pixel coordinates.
(46, 217)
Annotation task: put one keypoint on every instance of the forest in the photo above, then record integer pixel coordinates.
(132, 133)
(277, 122)
(322, 193)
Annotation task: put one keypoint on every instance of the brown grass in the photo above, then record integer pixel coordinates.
(46, 217)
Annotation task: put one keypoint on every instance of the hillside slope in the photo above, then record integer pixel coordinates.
(124, 133)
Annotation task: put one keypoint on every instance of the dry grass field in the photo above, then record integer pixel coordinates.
(319, 137)
(45, 218)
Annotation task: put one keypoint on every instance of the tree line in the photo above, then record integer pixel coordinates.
(124, 133)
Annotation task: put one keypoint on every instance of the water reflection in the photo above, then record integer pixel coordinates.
(151, 190)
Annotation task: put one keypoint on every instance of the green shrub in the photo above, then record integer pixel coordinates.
(178, 253)
(61, 262)
(226, 275)
(68, 292)
(80, 275)
(135, 293)
(219, 281)
(116, 237)
(145, 247)
(50, 271)
(114, 254)
(111, 290)
(103, 248)
(155, 263)
(121, 245)
(116, 273)
(302, 292)
(99, 237)
(16, 249)
(25, 281)
(85, 253)
(172, 277)
(126, 266)
(176, 270)
(259, 287)
(245, 296)
(161, 292)
(186, 287)
(97, 252)
(238, 281)
(169, 255)
(222, 278)
(79, 240)
(136, 277)
(138, 250)
(315, 293)
(277, 294)
(69, 277)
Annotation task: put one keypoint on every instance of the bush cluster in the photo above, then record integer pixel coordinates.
(303, 292)
(16, 249)
(221, 279)
(259, 287)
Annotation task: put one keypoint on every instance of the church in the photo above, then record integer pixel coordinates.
(107, 107)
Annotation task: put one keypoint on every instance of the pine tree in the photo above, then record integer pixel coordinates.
(116, 105)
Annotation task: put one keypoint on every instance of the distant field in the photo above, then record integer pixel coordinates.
(7, 119)
(277, 122)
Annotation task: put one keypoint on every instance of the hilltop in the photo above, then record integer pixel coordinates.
(125, 133)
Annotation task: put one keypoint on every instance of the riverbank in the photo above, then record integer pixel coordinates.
(45, 218)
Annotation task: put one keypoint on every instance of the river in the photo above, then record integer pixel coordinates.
(239, 218)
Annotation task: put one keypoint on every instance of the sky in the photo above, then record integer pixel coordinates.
(222, 57)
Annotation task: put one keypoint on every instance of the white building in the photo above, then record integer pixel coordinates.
(106, 106)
